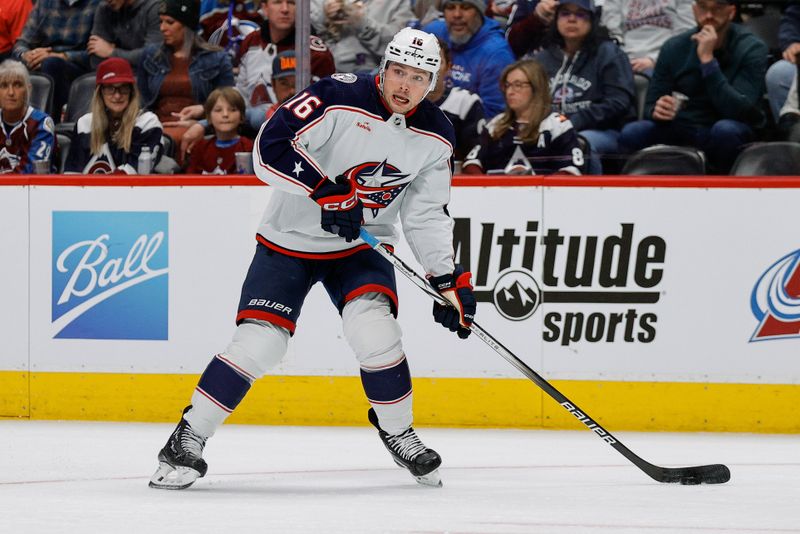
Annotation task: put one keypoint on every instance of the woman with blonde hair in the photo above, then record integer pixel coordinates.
(527, 137)
(111, 137)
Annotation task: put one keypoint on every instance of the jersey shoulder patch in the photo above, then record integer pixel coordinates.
(556, 124)
(317, 44)
(345, 77)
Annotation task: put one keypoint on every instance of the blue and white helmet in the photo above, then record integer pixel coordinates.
(414, 48)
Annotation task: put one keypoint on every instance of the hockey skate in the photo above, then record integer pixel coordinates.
(180, 462)
(410, 453)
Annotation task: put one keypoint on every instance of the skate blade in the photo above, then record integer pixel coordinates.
(431, 479)
(173, 478)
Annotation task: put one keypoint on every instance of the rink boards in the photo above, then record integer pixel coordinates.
(654, 303)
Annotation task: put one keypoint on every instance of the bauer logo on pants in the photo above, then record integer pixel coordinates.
(109, 274)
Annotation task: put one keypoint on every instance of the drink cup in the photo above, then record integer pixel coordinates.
(680, 100)
(41, 166)
(244, 162)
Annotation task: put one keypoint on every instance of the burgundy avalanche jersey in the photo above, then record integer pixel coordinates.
(211, 156)
(400, 165)
(29, 140)
(556, 150)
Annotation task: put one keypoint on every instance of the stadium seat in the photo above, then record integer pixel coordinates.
(768, 159)
(641, 82)
(666, 159)
(64, 142)
(42, 92)
(765, 27)
(79, 102)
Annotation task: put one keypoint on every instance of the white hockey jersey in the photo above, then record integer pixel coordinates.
(401, 165)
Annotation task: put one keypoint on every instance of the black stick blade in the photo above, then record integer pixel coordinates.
(703, 474)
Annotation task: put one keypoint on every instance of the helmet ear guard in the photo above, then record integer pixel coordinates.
(414, 48)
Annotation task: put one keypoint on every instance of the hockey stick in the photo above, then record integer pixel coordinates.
(702, 474)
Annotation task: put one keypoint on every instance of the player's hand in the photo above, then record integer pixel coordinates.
(665, 108)
(457, 289)
(706, 40)
(790, 54)
(342, 210)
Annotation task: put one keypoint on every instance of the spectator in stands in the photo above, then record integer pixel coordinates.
(642, 26)
(13, 14)
(283, 70)
(26, 134)
(122, 28)
(258, 51)
(720, 67)
(462, 107)
(528, 25)
(781, 73)
(109, 139)
(214, 15)
(479, 49)
(789, 120)
(591, 80)
(217, 154)
(178, 76)
(357, 31)
(528, 137)
(54, 42)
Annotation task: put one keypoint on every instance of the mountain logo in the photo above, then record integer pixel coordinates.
(516, 295)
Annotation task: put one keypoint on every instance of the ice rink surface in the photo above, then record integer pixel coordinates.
(92, 477)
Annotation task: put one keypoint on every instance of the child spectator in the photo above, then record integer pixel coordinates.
(224, 110)
(109, 139)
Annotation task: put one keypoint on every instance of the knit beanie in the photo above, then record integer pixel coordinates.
(187, 12)
(480, 5)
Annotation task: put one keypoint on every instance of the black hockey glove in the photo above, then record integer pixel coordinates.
(341, 207)
(457, 289)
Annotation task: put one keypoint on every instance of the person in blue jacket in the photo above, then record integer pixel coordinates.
(176, 78)
(479, 49)
(591, 79)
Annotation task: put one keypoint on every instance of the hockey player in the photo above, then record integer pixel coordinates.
(390, 152)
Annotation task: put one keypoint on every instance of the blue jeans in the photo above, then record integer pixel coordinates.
(601, 142)
(779, 81)
(720, 142)
(256, 115)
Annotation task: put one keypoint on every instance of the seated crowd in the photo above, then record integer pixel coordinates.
(531, 86)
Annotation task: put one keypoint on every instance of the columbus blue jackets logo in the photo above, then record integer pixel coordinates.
(378, 184)
(775, 300)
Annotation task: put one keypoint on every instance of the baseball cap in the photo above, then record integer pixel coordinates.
(588, 5)
(284, 64)
(114, 70)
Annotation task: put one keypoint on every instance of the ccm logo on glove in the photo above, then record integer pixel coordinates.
(457, 289)
(342, 210)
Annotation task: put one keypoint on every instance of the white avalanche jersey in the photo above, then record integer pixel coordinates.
(401, 165)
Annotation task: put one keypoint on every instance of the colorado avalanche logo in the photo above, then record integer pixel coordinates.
(377, 183)
(8, 161)
(775, 300)
(99, 166)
